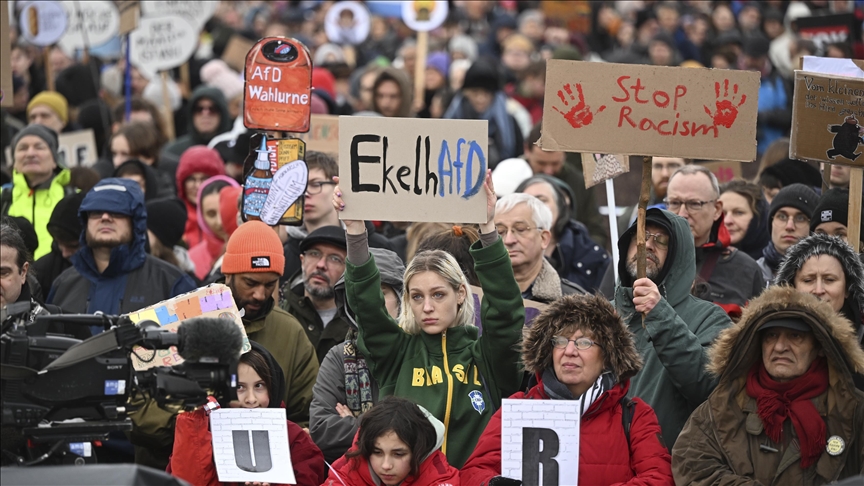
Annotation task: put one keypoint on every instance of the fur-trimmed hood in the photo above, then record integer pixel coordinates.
(738, 347)
(821, 244)
(597, 318)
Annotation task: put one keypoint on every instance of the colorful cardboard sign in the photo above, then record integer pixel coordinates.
(829, 29)
(650, 110)
(323, 134)
(278, 87)
(413, 169)
(827, 119)
(211, 301)
(91, 24)
(347, 23)
(275, 181)
(43, 23)
(162, 43)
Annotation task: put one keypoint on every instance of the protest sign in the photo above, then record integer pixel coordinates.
(540, 441)
(723, 170)
(573, 15)
(347, 23)
(413, 169)
(532, 307)
(130, 12)
(235, 52)
(650, 110)
(323, 134)
(42, 23)
(7, 91)
(78, 149)
(91, 24)
(278, 89)
(852, 68)
(197, 12)
(162, 43)
(829, 29)
(211, 301)
(251, 445)
(424, 15)
(827, 119)
(275, 181)
(599, 167)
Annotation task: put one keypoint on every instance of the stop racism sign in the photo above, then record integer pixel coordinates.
(278, 86)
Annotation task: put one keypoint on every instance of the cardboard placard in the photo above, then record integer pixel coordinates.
(573, 15)
(211, 301)
(7, 91)
(724, 170)
(323, 134)
(130, 12)
(540, 441)
(424, 15)
(197, 12)
(78, 149)
(43, 23)
(251, 445)
(162, 43)
(274, 194)
(278, 88)
(599, 167)
(853, 68)
(827, 119)
(235, 52)
(347, 23)
(650, 110)
(91, 24)
(413, 169)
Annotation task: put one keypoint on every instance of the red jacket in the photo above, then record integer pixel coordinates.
(604, 455)
(192, 459)
(434, 471)
(196, 159)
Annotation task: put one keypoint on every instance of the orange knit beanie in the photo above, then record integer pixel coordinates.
(254, 247)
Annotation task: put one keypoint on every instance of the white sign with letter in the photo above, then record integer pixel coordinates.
(91, 24)
(251, 445)
(539, 439)
(161, 43)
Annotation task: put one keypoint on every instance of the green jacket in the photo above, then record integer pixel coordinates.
(456, 375)
(36, 205)
(322, 337)
(676, 334)
(283, 336)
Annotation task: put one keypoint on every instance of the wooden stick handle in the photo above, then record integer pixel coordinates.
(644, 195)
(420, 68)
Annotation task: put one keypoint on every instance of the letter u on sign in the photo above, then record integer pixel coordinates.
(243, 452)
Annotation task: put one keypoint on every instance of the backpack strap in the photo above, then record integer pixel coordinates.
(627, 406)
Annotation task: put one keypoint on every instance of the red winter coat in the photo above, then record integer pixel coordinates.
(196, 159)
(434, 471)
(604, 456)
(192, 459)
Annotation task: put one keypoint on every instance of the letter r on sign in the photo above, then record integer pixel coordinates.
(533, 457)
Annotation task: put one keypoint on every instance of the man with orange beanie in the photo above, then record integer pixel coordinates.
(252, 264)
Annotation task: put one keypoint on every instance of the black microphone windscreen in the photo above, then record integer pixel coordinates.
(211, 338)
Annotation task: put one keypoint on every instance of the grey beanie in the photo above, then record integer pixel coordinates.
(43, 132)
(797, 196)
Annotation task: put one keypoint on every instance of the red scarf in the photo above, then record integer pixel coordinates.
(778, 401)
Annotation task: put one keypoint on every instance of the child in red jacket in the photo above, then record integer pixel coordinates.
(397, 445)
(259, 377)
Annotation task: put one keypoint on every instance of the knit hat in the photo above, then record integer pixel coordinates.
(216, 73)
(43, 132)
(833, 206)
(509, 173)
(331, 235)
(166, 218)
(64, 224)
(54, 100)
(797, 196)
(482, 74)
(254, 247)
(793, 171)
(77, 84)
(439, 61)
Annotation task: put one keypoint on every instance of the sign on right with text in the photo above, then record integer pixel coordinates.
(540, 441)
(827, 119)
(650, 110)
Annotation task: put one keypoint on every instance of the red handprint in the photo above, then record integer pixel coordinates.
(726, 110)
(579, 115)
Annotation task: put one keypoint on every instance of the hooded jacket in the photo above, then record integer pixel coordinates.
(405, 88)
(196, 159)
(726, 276)
(724, 442)
(605, 455)
(580, 259)
(677, 332)
(36, 204)
(65, 224)
(153, 188)
(193, 136)
(433, 471)
(133, 279)
(456, 375)
(211, 246)
(192, 459)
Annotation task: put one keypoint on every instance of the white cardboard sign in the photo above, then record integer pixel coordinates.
(540, 438)
(78, 149)
(43, 23)
(161, 43)
(423, 16)
(197, 12)
(91, 23)
(251, 445)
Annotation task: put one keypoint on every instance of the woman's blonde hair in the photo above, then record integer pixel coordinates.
(444, 265)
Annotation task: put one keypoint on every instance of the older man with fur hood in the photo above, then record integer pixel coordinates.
(785, 410)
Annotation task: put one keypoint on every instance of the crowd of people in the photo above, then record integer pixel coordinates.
(739, 358)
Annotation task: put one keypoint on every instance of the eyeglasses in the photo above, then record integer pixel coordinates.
(313, 188)
(660, 240)
(582, 343)
(692, 206)
(798, 219)
(520, 230)
(202, 108)
(316, 255)
(94, 215)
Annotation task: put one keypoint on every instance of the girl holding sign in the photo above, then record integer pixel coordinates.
(259, 377)
(432, 353)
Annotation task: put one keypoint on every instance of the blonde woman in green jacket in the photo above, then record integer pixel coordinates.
(433, 354)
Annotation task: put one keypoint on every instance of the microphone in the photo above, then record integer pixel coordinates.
(209, 340)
